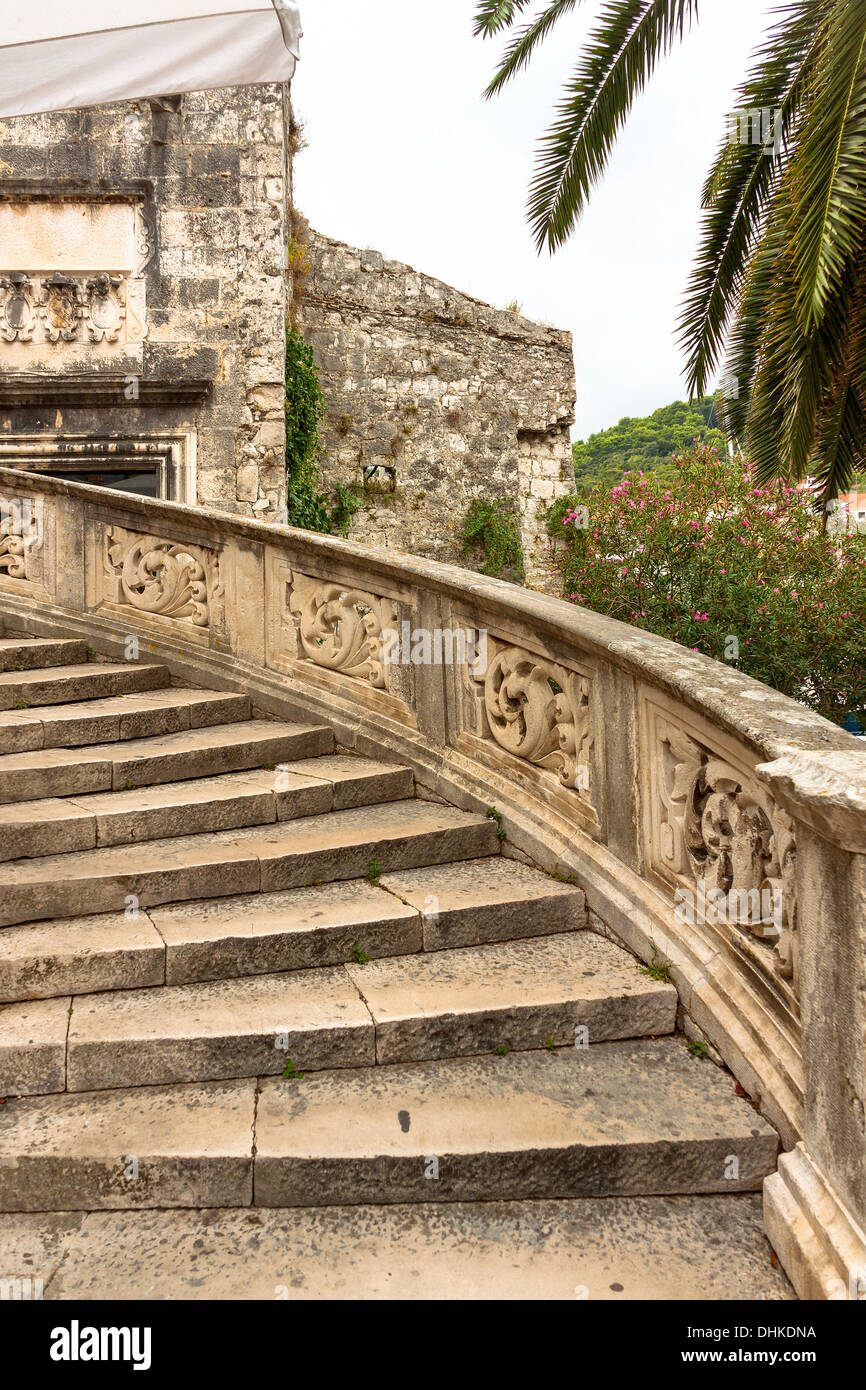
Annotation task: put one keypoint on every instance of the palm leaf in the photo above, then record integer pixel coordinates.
(523, 45)
(493, 15)
(620, 57)
(830, 161)
(740, 186)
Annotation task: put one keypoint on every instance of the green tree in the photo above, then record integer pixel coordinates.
(780, 277)
(646, 444)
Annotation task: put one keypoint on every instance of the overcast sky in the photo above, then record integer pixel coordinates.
(406, 157)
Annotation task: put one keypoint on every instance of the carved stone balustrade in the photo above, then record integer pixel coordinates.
(709, 819)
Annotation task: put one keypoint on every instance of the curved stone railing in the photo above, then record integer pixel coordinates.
(711, 821)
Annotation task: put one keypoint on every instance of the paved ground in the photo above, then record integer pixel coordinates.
(709, 1248)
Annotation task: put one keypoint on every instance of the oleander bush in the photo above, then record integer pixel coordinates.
(746, 574)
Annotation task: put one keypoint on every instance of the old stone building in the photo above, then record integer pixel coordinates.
(144, 292)
(143, 296)
(434, 399)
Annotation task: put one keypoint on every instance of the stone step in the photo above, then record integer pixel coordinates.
(110, 720)
(259, 934)
(708, 1248)
(338, 845)
(303, 928)
(499, 899)
(238, 799)
(55, 685)
(558, 991)
(523, 995)
(617, 1119)
(199, 752)
(29, 653)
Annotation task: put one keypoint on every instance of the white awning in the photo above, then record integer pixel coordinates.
(58, 54)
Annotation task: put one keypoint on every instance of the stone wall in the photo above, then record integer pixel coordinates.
(446, 397)
(180, 347)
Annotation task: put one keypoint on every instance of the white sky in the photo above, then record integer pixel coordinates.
(406, 157)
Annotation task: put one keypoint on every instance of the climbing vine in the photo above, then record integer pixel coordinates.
(491, 530)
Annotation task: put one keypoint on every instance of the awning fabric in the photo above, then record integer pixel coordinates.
(56, 55)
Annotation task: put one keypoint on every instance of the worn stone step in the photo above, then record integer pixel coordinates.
(709, 1248)
(196, 753)
(499, 899)
(255, 934)
(56, 685)
(550, 992)
(80, 955)
(266, 933)
(522, 995)
(109, 720)
(338, 845)
(209, 1032)
(33, 1047)
(621, 1118)
(30, 653)
(187, 1146)
(219, 938)
(237, 799)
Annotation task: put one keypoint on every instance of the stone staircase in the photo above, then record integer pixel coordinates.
(246, 978)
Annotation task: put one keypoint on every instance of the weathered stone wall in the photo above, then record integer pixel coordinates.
(455, 399)
(204, 301)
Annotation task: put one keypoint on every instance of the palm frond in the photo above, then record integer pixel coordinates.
(525, 42)
(741, 184)
(493, 15)
(830, 161)
(619, 58)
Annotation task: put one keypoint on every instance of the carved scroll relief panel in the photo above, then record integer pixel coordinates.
(330, 632)
(168, 585)
(715, 837)
(539, 714)
(27, 540)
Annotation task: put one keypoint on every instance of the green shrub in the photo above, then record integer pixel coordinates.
(746, 574)
(305, 408)
(490, 529)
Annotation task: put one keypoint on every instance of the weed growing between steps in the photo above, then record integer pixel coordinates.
(493, 814)
(657, 969)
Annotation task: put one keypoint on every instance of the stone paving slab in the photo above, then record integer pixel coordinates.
(705, 1248)
(184, 1146)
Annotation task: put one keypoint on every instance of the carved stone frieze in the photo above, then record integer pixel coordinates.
(715, 829)
(340, 628)
(539, 711)
(162, 577)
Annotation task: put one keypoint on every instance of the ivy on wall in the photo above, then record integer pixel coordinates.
(491, 531)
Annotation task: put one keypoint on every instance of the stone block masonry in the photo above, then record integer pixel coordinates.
(143, 291)
(445, 397)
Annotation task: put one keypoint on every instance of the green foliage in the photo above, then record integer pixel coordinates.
(344, 509)
(744, 573)
(359, 956)
(698, 1049)
(501, 1050)
(493, 814)
(657, 969)
(305, 408)
(491, 529)
(289, 1071)
(374, 871)
(649, 443)
(779, 283)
